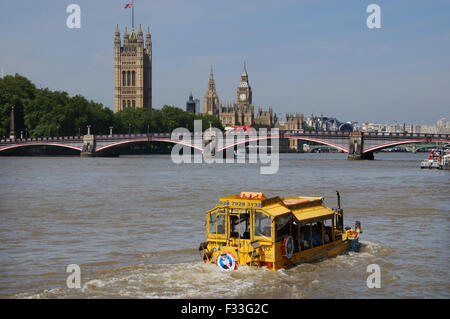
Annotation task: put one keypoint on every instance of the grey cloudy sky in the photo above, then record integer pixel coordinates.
(310, 56)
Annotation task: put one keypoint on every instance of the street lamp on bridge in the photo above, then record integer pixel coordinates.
(89, 129)
(110, 130)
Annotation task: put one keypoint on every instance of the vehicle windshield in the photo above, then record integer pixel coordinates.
(239, 224)
(217, 222)
(262, 224)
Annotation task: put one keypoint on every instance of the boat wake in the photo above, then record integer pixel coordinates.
(198, 280)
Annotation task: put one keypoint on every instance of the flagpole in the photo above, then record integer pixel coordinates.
(132, 14)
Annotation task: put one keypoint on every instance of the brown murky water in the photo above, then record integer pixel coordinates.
(133, 224)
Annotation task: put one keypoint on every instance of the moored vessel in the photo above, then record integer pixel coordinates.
(445, 162)
(433, 160)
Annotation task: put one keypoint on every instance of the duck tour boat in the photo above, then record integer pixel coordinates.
(251, 229)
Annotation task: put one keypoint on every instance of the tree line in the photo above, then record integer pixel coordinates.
(42, 112)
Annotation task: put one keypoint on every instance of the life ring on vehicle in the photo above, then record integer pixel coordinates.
(288, 247)
(352, 235)
(226, 261)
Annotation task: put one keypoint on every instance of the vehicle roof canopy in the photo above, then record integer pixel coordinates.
(312, 214)
(305, 209)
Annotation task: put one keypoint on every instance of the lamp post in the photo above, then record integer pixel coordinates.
(89, 129)
(79, 132)
(110, 130)
(129, 128)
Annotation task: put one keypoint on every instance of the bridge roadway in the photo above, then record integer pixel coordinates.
(358, 145)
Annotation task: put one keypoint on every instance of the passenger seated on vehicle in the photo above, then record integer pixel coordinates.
(326, 238)
(317, 241)
(303, 242)
(314, 241)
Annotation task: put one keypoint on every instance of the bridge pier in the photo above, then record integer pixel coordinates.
(209, 143)
(355, 149)
(88, 145)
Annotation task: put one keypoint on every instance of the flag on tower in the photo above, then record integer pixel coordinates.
(130, 5)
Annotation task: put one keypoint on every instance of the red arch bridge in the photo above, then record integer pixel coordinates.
(358, 145)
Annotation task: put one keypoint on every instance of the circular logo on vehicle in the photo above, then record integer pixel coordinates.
(226, 261)
(288, 246)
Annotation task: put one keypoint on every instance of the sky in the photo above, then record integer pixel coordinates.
(309, 56)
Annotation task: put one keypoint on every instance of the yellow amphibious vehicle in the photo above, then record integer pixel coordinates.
(251, 229)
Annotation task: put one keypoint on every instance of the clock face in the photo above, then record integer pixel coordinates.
(242, 97)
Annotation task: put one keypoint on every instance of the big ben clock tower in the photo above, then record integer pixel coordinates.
(244, 91)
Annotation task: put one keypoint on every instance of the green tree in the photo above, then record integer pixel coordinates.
(14, 90)
(160, 121)
(54, 113)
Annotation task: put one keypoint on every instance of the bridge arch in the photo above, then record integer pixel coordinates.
(339, 147)
(244, 141)
(34, 144)
(247, 140)
(143, 140)
(392, 144)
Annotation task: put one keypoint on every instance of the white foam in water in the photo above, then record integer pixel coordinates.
(199, 280)
(93, 284)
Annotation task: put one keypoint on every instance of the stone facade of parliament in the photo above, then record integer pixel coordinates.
(132, 70)
(242, 112)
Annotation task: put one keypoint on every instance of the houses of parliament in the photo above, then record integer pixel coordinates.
(133, 88)
(242, 112)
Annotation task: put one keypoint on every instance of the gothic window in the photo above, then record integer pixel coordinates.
(133, 78)
(123, 79)
(134, 104)
(128, 78)
(128, 104)
(124, 104)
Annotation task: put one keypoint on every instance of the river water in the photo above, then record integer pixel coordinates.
(133, 225)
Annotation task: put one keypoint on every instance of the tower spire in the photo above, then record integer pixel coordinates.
(211, 102)
(211, 85)
(117, 36)
(148, 39)
(244, 72)
(140, 36)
